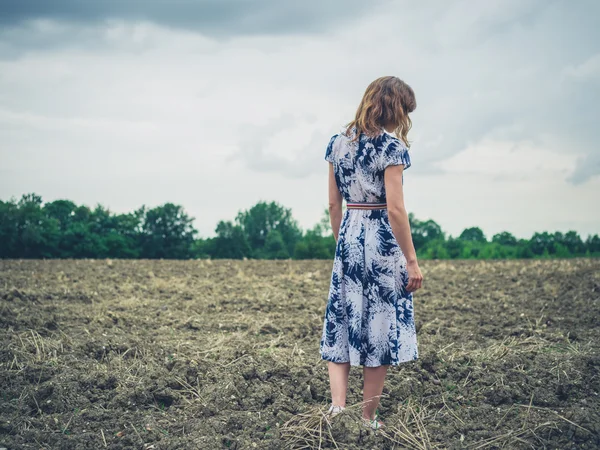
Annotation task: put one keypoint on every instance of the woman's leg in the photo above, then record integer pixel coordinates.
(373, 387)
(338, 379)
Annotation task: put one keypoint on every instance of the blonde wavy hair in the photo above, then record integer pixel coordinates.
(387, 101)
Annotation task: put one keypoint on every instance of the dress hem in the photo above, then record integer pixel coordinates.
(397, 363)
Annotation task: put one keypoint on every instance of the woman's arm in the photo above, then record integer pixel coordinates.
(335, 204)
(400, 224)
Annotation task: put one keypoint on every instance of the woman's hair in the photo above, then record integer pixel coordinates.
(387, 101)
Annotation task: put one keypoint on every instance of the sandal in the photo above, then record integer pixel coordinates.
(373, 423)
(334, 410)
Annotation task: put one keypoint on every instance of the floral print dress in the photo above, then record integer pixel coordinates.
(369, 315)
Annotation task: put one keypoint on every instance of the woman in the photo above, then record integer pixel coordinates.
(369, 315)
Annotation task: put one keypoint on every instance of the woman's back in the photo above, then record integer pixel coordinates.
(359, 165)
(369, 318)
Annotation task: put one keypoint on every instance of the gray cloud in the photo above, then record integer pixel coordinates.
(247, 95)
(531, 74)
(210, 17)
(588, 167)
(509, 71)
(252, 148)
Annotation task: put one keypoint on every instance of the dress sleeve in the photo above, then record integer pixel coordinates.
(329, 151)
(395, 154)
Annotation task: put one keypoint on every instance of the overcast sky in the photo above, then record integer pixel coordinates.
(217, 104)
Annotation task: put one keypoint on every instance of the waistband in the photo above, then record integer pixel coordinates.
(364, 205)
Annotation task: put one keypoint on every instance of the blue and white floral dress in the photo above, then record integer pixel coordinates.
(369, 315)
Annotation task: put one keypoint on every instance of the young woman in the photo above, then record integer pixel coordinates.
(369, 315)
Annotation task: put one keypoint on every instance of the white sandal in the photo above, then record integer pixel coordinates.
(373, 423)
(334, 410)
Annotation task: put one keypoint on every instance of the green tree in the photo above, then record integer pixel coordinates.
(592, 244)
(424, 232)
(495, 250)
(541, 243)
(473, 234)
(167, 232)
(123, 238)
(61, 229)
(261, 219)
(435, 249)
(9, 238)
(275, 247)
(504, 238)
(314, 245)
(524, 249)
(323, 227)
(573, 242)
(36, 234)
(230, 242)
(203, 248)
(454, 247)
(471, 250)
(63, 211)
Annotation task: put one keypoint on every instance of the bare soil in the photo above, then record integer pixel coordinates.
(224, 354)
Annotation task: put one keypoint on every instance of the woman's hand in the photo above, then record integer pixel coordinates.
(415, 278)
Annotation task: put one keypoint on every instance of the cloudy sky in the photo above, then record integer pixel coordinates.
(216, 104)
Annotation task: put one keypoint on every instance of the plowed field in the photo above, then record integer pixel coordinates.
(224, 354)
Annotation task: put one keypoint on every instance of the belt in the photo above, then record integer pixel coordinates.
(357, 205)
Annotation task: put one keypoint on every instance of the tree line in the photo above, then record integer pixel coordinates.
(30, 228)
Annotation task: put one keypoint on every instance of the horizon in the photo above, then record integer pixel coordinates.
(303, 228)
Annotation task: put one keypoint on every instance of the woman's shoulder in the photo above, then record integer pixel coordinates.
(394, 151)
(389, 139)
(329, 152)
(343, 134)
